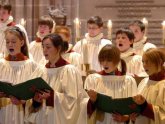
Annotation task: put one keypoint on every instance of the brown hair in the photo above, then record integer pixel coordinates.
(6, 6)
(21, 35)
(156, 56)
(112, 54)
(95, 20)
(63, 30)
(46, 20)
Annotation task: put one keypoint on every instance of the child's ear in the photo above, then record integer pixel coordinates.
(22, 42)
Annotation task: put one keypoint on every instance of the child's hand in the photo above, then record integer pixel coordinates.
(2, 94)
(133, 116)
(16, 101)
(40, 95)
(120, 118)
(92, 94)
(139, 99)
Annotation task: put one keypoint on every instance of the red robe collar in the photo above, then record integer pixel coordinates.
(18, 57)
(158, 77)
(117, 72)
(11, 24)
(61, 62)
(38, 40)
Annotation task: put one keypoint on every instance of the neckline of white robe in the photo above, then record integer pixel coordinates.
(93, 39)
(140, 43)
(3, 26)
(15, 63)
(128, 53)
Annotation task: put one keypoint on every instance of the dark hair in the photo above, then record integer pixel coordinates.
(21, 35)
(139, 24)
(112, 54)
(46, 20)
(155, 56)
(128, 32)
(6, 6)
(56, 40)
(95, 20)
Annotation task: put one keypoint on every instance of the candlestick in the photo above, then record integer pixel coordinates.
(77, 29)
(163, 31)
(109, 26)
(145, 22)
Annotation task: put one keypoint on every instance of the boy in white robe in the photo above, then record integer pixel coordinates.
(16, 68)
(140, 43)
(70, 55)
(6, 20)
(45, 27)
(111, 82)
(90, 46)
(124, 41)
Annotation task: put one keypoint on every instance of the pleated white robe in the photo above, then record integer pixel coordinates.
(114, 86)
(154, 93)
(68, 97)
(15, 72)
(94, 45)
(36, 51)
(134, 63)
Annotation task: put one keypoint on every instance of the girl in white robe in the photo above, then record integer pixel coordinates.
(45, 27)
(66, 81)
(153, 88)
(124, 41)
(111, 82)
(16, 67)
(90, 46)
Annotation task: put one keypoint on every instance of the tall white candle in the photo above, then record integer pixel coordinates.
(22, 22)
(163, 31)
(109, 26)
(77, 29)
(145, 21)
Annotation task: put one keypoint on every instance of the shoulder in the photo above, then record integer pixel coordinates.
(105, 41)
(148, 46)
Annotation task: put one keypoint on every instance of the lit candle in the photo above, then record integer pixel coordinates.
(109, 26)
(22, 22)
(145, 22)
(163, 28)
(77, 29)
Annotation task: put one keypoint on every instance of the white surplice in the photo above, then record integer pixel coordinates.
(15, 72)
(111, 85)
(94, 45)
(68, 97)
(142, 46)
(134, 63)
(154, 93)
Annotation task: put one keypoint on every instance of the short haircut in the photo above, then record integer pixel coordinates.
(6, 6)
(46, 20)
(95, 20)
(139, 24)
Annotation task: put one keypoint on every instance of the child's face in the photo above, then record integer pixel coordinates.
(13, 44)
(123, 42)
(137, 32)
(4, 15)
(49, 50)
(150, 68)
(93, 30)
(108, 66)
(44, 30)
